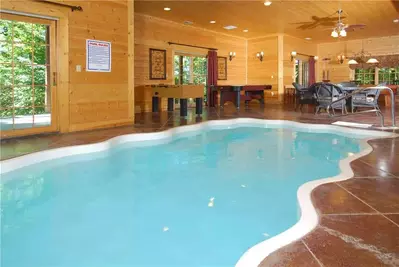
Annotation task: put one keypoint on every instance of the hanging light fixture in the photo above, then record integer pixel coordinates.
(352, 62)
(372, 61)
(361, 58)
(339, 30)
(341, 58)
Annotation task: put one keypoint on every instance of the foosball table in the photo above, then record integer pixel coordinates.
(182, 92)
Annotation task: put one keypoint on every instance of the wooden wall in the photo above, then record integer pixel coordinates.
(341, 72)
(153, 32)
(88, 100)
(99, 98)
(300, 46)
(265, 72)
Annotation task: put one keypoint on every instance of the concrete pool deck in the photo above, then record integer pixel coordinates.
(359, 217)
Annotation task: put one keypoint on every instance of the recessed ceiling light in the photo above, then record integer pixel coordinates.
(267, 3)
(245, 30)
(167, 8)
(308, 38)
(230, 27)
(212, 22)
(396, 21)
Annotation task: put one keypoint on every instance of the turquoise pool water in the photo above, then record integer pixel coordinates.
(202, 199)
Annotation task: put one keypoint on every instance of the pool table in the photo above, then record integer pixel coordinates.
(232, 93)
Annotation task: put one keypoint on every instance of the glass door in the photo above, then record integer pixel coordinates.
(305, 73)
(190, 69)
(27, 75)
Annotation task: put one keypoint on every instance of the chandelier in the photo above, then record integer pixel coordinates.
(339, 30)
(362, 58)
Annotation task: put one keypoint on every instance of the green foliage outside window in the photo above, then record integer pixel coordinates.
(388, 75)
(365, 76)
(23, 70)
(195, 75)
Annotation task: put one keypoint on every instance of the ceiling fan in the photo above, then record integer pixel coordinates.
(341, 28)
(317, 21)
(329, 21)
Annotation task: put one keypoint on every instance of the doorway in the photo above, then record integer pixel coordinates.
(302, 72)
(27, 75)
(190, 69)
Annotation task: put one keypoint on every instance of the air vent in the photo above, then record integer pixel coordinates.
(230, 27)
(187, 22)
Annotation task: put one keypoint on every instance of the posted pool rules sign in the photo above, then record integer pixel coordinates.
(98, 56)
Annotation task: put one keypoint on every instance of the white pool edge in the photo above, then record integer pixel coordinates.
(254, 255)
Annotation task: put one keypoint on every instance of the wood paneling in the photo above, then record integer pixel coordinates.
(88, 100)
(300, 46)
(281, 17)
(153, 32)
(99, 97)
(341, 72)
(266, 71)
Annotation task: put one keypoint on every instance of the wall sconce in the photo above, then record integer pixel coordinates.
(260, 55)
(341, 59)
(293, 55)
(232, 55)
(316, 58)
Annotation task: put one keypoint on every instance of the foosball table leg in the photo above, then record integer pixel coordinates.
(262, 98)
(155, 104)
(183, 107)
(238, 94)
(198, 106)
(170, 104)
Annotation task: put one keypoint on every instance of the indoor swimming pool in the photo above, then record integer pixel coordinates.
(199, 195)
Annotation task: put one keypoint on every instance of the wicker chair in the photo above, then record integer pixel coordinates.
(326, 93)
(366, 99)
(304, 96)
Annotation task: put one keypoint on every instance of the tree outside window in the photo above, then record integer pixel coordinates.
(365, 76)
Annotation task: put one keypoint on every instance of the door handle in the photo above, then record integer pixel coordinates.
(54, 78)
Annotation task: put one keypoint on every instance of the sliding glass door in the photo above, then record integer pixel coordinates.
(302, 72)
(190, 69)
(27, 75)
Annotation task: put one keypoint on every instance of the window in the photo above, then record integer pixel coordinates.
(190, 69)
(365, 76)
(297, 72)
(305, 73)
(388, 75)
(302, 72)
(25, 76)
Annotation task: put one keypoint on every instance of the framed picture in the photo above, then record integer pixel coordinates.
(157, 64)
(222, 68)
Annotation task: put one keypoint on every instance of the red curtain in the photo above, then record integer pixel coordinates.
(212, 76)
(312, 73)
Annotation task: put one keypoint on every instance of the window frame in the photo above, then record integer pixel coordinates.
(377, 75)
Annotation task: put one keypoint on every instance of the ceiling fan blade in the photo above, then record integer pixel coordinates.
(308, 25)
(353, 27)
(315, 18)
(327, 23)
(331, 19)
(313, 26)
(303, 22)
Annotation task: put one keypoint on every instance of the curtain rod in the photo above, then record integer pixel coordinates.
(209, 48)
(73, 8)
(304, 55)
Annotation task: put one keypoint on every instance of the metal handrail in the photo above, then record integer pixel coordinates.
(379, 113)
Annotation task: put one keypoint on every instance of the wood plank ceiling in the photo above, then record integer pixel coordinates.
(280, 17)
